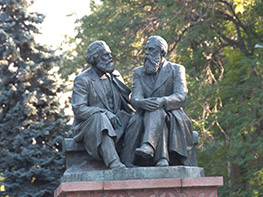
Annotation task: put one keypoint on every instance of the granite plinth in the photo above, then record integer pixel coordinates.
(172, 187)
(135, 173)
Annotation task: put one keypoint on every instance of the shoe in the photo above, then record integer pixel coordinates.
(130, 165)
(116, 164)
(162, 163)
(145, 151)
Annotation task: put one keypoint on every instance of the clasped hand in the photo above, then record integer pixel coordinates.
(115, 121)
(151, 104)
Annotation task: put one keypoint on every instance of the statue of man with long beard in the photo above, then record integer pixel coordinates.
(159, 93)
(100, 103)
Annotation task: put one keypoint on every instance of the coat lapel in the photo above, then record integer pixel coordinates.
(98, 88)
(162, 77)
(147, 83)
(121, 86)
(124, 93)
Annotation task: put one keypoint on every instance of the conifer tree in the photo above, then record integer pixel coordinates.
(32, 122)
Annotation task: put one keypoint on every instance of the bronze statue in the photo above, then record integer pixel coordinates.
(159, 93)
(100, 103)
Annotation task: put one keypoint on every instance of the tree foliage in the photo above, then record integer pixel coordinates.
(32, 122)
(215, 40)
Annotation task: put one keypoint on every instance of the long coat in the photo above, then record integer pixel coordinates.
(171, 85)
(90, 105)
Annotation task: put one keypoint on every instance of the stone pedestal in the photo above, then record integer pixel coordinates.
(172, 187)
(173, 181)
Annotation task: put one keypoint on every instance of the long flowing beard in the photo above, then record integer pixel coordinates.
(151, 65)
(106, 67)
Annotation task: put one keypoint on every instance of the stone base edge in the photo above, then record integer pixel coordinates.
(134, 174)
(206, 186)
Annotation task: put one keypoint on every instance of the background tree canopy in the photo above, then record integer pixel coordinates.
(220, 44)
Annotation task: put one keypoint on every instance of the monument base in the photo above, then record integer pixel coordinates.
(172, 187)
(169, 181)
(134, 173)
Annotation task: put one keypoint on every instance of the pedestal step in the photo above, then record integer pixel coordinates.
(172, 187)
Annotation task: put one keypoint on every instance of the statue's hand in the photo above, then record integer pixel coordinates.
(115, 121)
(161, 102)
(151, 104)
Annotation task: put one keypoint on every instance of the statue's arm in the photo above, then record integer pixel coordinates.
(79, 100)
(137, 98)
(137, 92)
(178, 98)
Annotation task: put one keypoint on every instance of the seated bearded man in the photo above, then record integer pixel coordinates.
(100, 103)
(159, 93)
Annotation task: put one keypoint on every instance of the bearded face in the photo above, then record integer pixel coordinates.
(105, 63)
(151, 64)
(152, 58)
(105, 66)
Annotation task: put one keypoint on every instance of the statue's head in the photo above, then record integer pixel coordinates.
(156, 49)
(99, 56)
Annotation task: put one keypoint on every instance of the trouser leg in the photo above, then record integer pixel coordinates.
(162, 146)
(132, 139)
(92, 132)
(156, 133)
(107, 150)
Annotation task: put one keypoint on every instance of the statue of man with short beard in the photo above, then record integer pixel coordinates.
(159, 93)
(100, 103)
